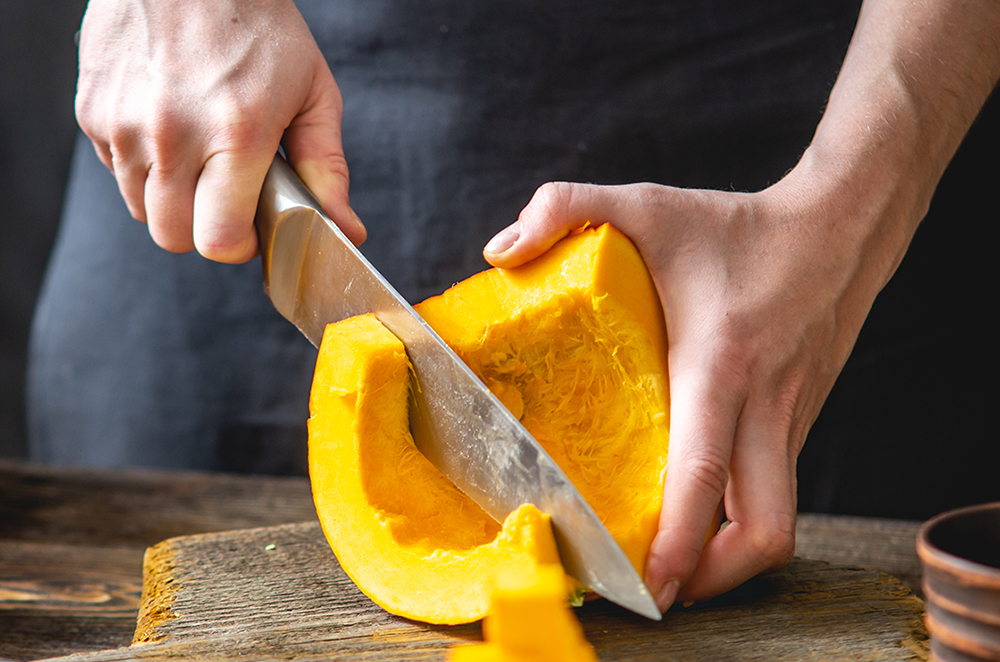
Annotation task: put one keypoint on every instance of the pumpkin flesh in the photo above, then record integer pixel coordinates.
(413, 542)
(573, 344)
(529, 621)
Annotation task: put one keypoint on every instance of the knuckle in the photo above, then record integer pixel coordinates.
(84, 109)
(725, 365)
(171, 242)
(166, 132)
(223, 240)
(238, 127)
(708, 468)
(549, 212)
(327, 164)
(229, 253)
(337, 164)
(121, 137)
(551, 199)
(646, 194)
(774, 543)
(214, 246)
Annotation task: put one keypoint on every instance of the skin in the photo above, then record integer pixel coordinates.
(763, 293)
(186, 103)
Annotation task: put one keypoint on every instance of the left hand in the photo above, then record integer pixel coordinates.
(764, 295)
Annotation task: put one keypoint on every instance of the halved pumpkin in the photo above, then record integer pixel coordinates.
(574, 344)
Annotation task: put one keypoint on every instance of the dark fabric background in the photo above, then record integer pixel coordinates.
(37, 80)
(908, 430)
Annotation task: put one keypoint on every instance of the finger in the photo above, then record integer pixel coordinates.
(169, 199)
(103, 152)
(556, 209)
(702, 425)
(760, 505)
(130, 173)
(315, 149)
(88, 98)
(127, 162)
(225, 201)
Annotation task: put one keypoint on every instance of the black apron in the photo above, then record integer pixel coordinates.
(454, 112)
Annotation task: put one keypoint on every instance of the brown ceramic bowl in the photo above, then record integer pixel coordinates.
(960, 554)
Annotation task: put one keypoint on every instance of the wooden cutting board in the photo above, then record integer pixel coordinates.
(278, 593)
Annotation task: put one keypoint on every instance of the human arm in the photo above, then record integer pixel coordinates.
(186, 103)
(764, 294)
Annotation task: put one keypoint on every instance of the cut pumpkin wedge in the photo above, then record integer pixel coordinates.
(409, 539)
(573, 343)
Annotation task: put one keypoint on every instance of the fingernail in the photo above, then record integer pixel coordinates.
(504, 239)
(667, 594)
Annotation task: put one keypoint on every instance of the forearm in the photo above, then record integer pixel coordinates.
(916, 74)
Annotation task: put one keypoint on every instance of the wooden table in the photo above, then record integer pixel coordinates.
(72, 543)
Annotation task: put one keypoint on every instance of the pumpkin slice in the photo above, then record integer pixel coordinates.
(574, 344)
(529, 621)
(413, 542)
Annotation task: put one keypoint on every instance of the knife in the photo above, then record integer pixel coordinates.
(315, 276)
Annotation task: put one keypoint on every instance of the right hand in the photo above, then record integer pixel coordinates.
(186, 103)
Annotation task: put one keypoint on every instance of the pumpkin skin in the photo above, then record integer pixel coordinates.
(573, 343)
(409, 539)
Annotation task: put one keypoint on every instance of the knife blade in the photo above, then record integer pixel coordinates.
(315, 276)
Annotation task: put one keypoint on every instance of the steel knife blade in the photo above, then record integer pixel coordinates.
(315, 276)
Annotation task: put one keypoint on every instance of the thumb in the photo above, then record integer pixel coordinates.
(556, 209)
(314, 147)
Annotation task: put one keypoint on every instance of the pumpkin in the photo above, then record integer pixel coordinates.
(409, 539)
(529, 621)
(573, 343)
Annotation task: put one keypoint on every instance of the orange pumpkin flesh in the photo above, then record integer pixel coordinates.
(413, 542)
(529, 621)
(573, 343)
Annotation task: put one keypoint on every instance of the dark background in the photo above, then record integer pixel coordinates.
(37, 82)
(909, 430)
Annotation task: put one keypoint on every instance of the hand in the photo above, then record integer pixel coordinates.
(764, 295)
(186, 103)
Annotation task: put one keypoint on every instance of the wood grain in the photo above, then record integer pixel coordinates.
(875, 544)
(278, 592)
(72, 540)
(139, 508)
(72, 543)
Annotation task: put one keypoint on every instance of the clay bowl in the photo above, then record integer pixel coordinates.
(960, 555)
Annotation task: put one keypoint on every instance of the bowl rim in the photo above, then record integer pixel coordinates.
(973, 572)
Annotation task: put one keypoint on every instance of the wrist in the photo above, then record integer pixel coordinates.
(906, 95)
(861, 211)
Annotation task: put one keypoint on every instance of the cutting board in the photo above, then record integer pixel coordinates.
(278, 593)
